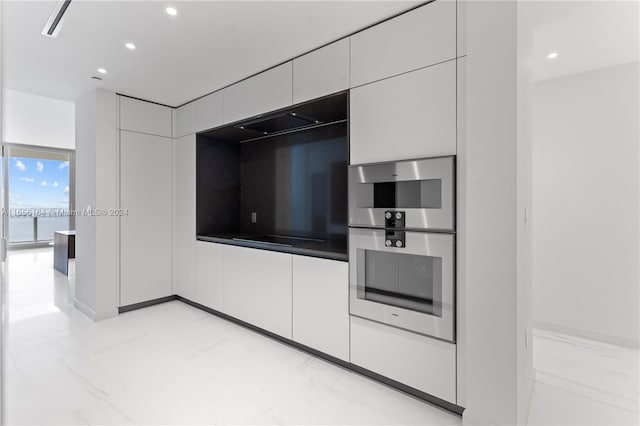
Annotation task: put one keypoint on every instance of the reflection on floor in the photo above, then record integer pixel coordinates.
(170, 364)
(174, 364)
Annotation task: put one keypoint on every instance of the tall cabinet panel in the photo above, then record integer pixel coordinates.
(184, 216)
(145, 233)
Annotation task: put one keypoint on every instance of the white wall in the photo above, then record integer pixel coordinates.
(498, 373)
(586, 138)
(85, 113)
(37, 120)
(96, 187)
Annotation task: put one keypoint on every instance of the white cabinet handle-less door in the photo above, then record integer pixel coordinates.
(145, 233)
(405, 117)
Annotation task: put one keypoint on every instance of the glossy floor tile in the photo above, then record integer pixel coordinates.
(169, 364)
(583, 382)
(174, 364)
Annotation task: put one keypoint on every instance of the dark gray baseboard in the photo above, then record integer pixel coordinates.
(145, 304)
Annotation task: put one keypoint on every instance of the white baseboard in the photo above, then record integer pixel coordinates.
(588, 334)
(106, 315)
(468, 419)
(91, 313)
(84, 309)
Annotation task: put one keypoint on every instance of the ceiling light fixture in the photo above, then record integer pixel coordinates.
(130, 46)
(54, 23)
(552, 55)
(102, 71)
(172, 11)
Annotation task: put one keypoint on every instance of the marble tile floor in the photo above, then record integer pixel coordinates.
(174, 364)
(583, 382)
(169, 364)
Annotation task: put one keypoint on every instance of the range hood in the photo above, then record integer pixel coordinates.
(296, 118)
(278, 123)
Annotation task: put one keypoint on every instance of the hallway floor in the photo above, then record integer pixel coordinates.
(174, 364)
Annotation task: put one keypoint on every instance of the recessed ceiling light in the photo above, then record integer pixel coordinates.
(552, 55)
(172, 11)
(130, 46)
(102, 71)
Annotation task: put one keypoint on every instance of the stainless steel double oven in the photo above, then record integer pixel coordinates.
(402, 244)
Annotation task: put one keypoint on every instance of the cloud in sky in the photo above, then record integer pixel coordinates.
(26, 179)
(55, 184)
(43, 183)
(66, 189)
(39, 166)
(63, 165)
(20, 165)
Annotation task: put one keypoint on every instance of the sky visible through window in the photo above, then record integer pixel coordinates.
(38, 184)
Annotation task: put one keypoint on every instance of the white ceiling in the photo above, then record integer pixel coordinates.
(208, 45)
(587, 35)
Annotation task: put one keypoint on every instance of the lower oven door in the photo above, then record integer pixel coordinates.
(404, 279)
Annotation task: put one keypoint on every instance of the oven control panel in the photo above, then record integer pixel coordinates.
(394, 239)
(394, 219)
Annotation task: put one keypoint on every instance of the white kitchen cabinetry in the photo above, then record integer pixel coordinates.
(145, 117)
(423, 363)
(184, 217)
(409, 116)
(185, 120)
(321, 305)
(145, 233)
(209, 111)
(209, 277)
(257, 288)
(416, 39)
(267, 91)
(321, 72)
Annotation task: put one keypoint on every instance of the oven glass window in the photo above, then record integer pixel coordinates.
(405, 280)
(411, 194)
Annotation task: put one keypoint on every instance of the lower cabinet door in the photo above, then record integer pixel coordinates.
(418, 361)
(321, 305)
(209, 275)
(257, 288)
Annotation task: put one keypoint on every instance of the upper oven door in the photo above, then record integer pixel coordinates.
(408, 285)
(423, 191)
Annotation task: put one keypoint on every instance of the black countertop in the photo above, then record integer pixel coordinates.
(325, 249)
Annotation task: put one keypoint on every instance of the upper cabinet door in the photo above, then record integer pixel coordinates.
(185, 120)
(265, 92)
(416, 39)
(145, 117)
(321, 72)
(409, 116)
(209, 111)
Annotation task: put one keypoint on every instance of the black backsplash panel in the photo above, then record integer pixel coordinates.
(217, 186)
(296, 184)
